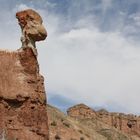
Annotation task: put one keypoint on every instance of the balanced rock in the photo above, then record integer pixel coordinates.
(23, 112)
(32, 28)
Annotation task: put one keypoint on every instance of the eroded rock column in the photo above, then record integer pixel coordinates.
(23, 114)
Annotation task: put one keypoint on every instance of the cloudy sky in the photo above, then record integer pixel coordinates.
(92, 53)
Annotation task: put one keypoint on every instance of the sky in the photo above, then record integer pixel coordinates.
(91, 54)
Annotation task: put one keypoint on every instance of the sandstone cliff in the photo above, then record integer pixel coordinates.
(22, 97)
(126, 123)
(23, 114)
(84, 123)
(64, 127)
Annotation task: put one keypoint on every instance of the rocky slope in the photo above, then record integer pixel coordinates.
(23, 113)
(84, 123)
(129, 124)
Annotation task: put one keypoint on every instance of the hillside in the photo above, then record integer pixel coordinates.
(82, 127)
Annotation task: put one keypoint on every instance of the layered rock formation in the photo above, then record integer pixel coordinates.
(82, 127)
(81, 111)
(129, 124)
(22, 95)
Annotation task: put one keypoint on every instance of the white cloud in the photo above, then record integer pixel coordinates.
(136, 18)
(21, 7)
(87, 65)
(94, 67)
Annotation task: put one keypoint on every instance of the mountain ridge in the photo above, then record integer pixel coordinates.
(84, 126)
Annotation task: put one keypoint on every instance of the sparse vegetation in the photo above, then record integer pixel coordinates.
(84, 129)
(57, 137)
(110, 134)
(62, 120)
(82, 138)
(80, 131)
(87, 135)
(53, 123)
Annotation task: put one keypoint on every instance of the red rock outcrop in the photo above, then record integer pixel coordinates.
(32, 28)
(129, 124)
(22, 97)
(81, 111)
(23, 114)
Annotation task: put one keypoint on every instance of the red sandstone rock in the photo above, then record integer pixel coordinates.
(129, 124)
(22, 97)
(23, 114)
(31, 24)
(126, 123)
(81, 111)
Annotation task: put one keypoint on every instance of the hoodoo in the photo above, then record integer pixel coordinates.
(22, 94)
(32, 28)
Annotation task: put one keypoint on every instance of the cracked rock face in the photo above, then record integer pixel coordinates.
(127, 123)
(22, 97)
(23, 114)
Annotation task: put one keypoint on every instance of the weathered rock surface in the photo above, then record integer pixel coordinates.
(129, 124)
(23, 114)
(32, 28)
(22, 97)
(81, 111)
(64, 127)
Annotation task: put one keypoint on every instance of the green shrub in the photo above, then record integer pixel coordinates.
(57, 137)
(82, 138)
(53, 123)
